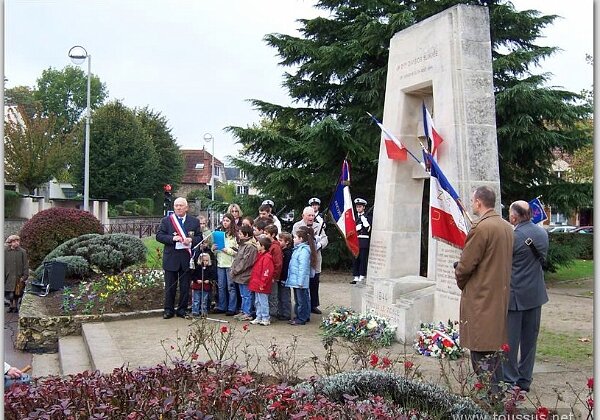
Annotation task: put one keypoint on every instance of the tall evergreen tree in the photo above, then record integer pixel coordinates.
(123, 159)
(339, 72)
(170, 160)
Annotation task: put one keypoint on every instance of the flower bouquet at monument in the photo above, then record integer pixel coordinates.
(345, 323)
(439, 340)
(334, 323)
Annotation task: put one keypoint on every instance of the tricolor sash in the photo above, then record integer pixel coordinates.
(178, 229)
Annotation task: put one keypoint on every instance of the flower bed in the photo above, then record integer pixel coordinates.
(43, 320)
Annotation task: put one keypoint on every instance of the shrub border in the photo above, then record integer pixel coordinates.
(400, 390)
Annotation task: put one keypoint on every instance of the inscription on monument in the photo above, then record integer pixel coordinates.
(417, 65)
(445, 279)
(377, 258)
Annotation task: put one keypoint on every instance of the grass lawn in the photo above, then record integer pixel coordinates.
(580, 269)
(153, 259)
(564, 346)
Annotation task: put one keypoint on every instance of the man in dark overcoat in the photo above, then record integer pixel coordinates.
(180, 233)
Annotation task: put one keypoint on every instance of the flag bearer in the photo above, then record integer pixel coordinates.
(363, 230)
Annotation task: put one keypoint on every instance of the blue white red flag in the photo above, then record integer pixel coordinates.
(341, 210)
(393, 146)
(538, 214)
(430, 131)
(447, 218)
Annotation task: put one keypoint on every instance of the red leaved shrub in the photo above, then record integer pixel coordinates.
(50, 228)
(192, 391)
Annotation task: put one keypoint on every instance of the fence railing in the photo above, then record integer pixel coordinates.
(141, 230)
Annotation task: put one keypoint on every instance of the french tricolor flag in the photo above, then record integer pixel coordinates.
(393, 146)
(342, 212)
(446, 214)
(430, 131)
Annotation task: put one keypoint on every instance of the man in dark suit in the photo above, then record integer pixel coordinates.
(527, 295)
(179, 233)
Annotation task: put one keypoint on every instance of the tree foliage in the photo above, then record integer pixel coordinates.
(170, 166)
(35, 151)
(64, 94)
(339, 69)
(23, 96)
(123, 158)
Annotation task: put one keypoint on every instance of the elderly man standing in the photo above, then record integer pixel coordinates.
(483, 276)
(321, 241)
(16, 271)
(527, 295)
(179, 233)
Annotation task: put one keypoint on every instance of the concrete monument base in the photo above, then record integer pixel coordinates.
(405, 302)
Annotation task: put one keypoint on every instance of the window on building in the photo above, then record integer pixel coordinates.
(199, 166)
(217, 171)
(242, 190)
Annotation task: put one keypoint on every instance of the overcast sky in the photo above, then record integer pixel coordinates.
(198, 62)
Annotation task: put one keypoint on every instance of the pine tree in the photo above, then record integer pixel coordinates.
(340, 66)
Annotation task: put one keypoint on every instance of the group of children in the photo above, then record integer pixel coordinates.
(259, 266)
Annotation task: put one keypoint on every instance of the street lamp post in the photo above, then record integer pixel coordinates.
(209, 138)
(78, 55)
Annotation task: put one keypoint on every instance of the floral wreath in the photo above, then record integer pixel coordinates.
(346, 323)
(439, 340)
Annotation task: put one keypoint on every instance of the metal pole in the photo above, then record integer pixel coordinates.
(212, 178)
(86, 175)
(212, 169)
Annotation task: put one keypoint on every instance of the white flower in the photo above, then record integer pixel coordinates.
(372, 324)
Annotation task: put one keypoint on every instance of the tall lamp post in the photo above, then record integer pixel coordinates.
(78, 55)
(210, 139)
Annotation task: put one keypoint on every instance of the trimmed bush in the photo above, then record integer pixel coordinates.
(426, 398)
(77, 267)
(11, 202)
(565, 248)
(109, 253)
(50, 228)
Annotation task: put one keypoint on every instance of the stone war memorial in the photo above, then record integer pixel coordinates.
(445, 62)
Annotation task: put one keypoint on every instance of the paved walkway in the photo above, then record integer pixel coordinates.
(15, 357)
(153, 340)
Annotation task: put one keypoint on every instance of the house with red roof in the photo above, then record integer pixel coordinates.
(197, 170)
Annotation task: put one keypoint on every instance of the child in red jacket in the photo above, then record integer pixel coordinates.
(261, 281)
(277, 254)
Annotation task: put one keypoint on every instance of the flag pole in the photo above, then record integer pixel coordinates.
(459, 201)
(407, 149)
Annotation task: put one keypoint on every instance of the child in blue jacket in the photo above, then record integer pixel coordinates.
(303, 261)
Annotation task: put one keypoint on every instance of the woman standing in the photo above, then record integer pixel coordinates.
(236, 211)
(227, 288)
(16, 271)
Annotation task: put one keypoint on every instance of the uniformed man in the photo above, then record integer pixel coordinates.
(315, 203)
(363, 230)
(271, 205)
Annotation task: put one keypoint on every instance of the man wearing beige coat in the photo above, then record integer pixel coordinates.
(483, 276)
